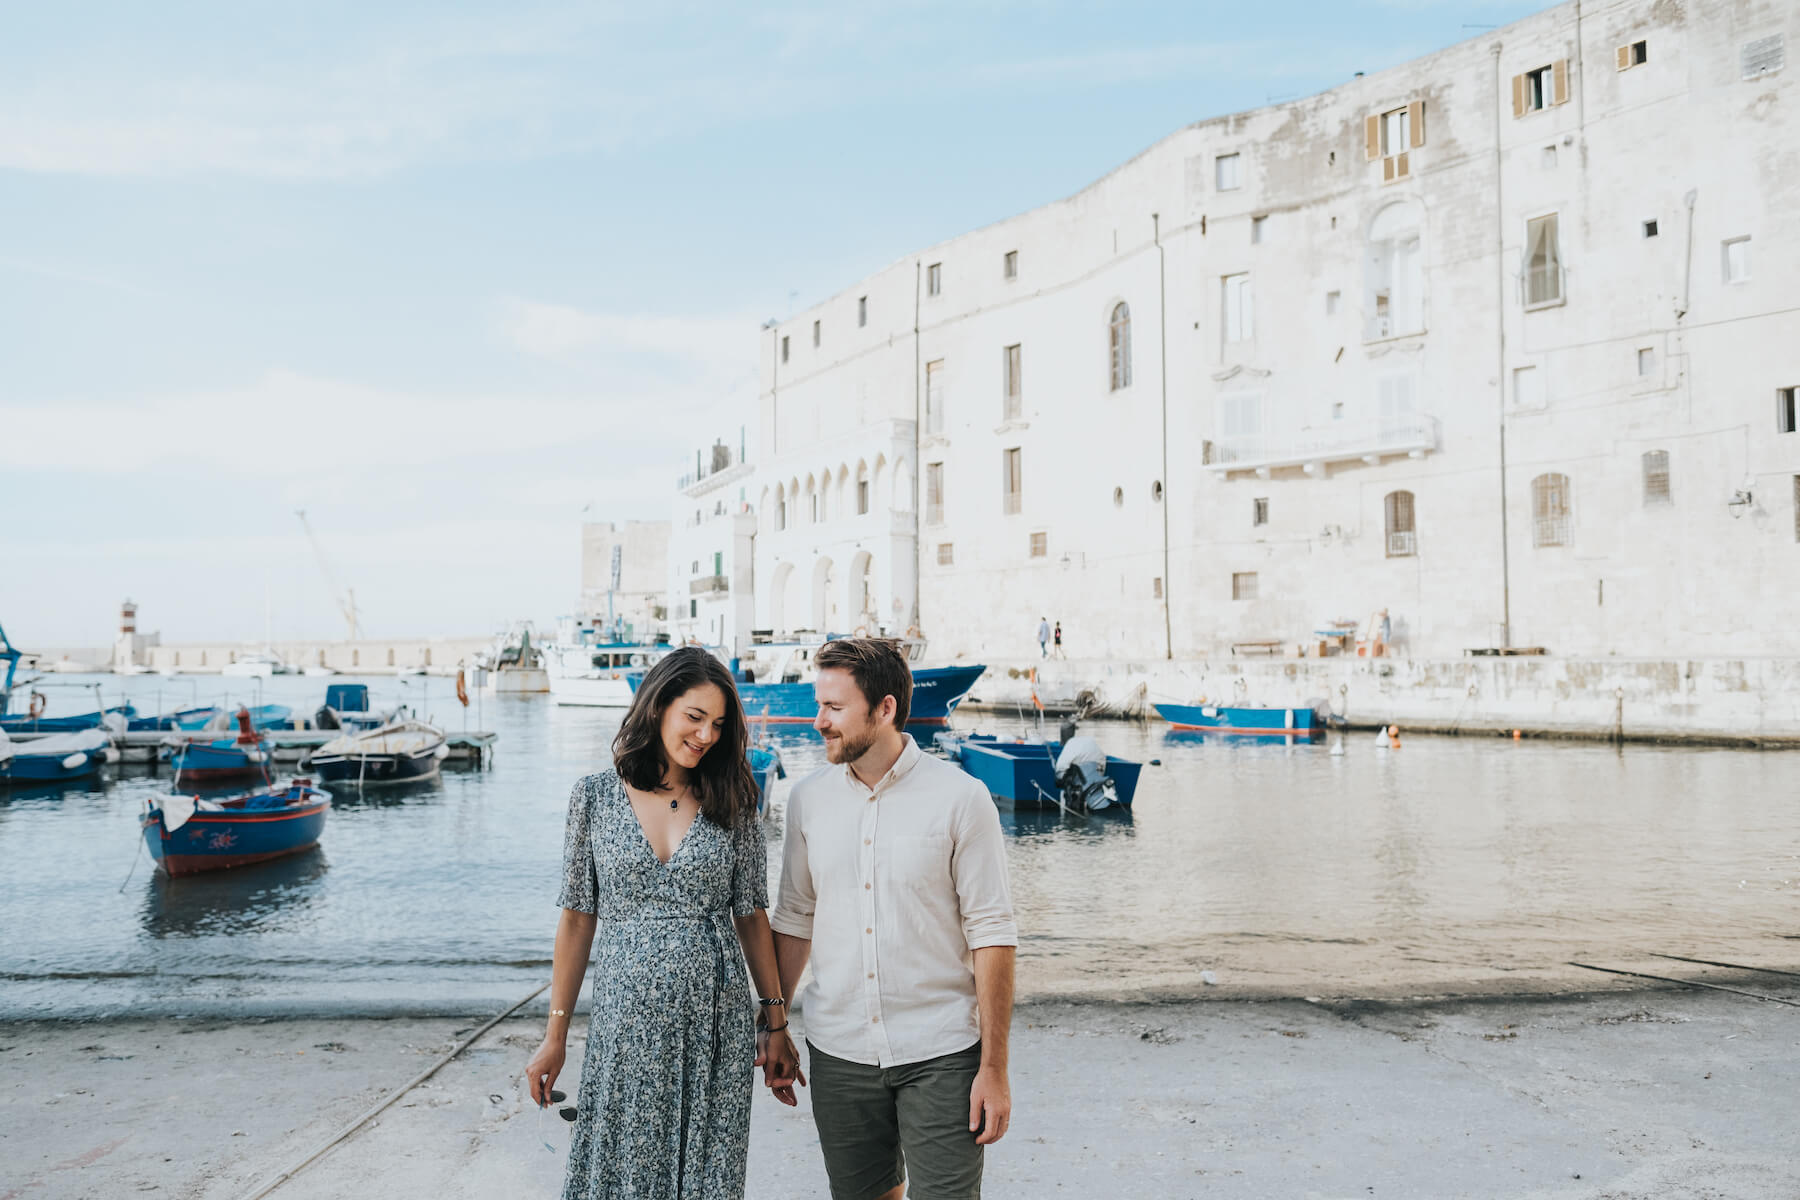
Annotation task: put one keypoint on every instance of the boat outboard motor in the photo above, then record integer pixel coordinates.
(1087, 785)
(326, 718)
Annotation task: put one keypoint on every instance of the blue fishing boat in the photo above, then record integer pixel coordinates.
(262, 716)
(775, 683)
(222, 760)
(765, 764)
(68, 724)
(195, 718)
(186, 834)
(1024, 773)
(1239, 719)
(395, 753)
(53, 757)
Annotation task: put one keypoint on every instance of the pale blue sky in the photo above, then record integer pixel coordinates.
(442, 274)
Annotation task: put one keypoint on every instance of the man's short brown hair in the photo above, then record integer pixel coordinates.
(878, 668)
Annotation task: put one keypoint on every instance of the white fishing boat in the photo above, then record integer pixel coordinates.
(596, 674)
(259, 665)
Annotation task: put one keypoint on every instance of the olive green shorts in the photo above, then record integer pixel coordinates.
(879, 1126)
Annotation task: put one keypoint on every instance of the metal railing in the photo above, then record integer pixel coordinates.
(707, 585)
(1333, 442)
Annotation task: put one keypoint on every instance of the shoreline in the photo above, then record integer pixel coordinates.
(1629, 1092)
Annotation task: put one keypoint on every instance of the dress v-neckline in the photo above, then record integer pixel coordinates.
(644, 836)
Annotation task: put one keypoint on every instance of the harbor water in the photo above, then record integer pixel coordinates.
(1245, 868)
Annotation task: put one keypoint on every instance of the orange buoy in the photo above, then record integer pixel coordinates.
(1393, 737)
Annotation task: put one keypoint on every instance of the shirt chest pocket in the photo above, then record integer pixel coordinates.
(918, 862)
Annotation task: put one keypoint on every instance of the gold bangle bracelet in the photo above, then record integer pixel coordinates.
(559, 1012)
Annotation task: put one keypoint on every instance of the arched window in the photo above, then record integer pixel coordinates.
(862, 489)
(780, 508)
(1393, 275)
(1656, 478)
(1550, 510)
(1402, 542)
(1119, 340)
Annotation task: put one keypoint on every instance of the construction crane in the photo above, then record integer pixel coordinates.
(346, 597)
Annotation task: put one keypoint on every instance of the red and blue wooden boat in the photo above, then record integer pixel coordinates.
(181, 718)
(1244, 720)
(186, 834)
(223, 760)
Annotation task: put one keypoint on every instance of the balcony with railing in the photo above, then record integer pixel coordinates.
(717, 465)
(708, 585)
(1370, 441)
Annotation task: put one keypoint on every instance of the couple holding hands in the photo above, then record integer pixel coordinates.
(893, 885)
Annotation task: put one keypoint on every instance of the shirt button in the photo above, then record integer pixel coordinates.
(876, 1021)
(868, 931)
(871, 974)
(867, 886)
(868, 841)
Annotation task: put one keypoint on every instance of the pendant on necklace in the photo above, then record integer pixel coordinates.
(673, 804)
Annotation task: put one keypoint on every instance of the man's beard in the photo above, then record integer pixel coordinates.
(848, 749)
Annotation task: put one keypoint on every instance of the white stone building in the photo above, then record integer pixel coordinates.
(711, 548)
(1502, 341)
(641, 551)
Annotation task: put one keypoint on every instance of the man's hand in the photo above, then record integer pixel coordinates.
(990, 1105)
(777, 1055)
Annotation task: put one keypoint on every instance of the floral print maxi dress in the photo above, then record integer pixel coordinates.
(665, 1085)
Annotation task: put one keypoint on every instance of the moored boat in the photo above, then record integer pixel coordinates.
(53, 757)
(186, 834)
(765, 765)
(776, 684)
(1242, 719)
(394, 753)
(1024, 773)
(597, 674)
(222, 760)
(181, 718)
(69, 724)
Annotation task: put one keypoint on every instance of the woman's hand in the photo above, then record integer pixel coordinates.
(544, 1067)
(780, 1061)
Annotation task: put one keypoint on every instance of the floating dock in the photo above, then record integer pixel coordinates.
(291, 745)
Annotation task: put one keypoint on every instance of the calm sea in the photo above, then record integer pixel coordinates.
(1454, 864)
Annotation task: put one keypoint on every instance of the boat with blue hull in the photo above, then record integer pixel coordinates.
(395, 753)
(1243, 720)
(181, 718)
(52, 758)
(223, 760)
(1024, 773)
(68, 724)
(187, 835)
(765, 765)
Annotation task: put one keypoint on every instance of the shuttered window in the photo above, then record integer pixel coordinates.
(1543, 262)
(1118, 334)
(1402, 540)
(934, 396)
(1656, 478)
(934, 493)
(1541, 88)
(1012, 479)
(1014, 394)
(1243, 585)
(1550, 510)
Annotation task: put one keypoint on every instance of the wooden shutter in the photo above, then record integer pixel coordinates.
(1372, 137)
(1401, 170)
(1518, 95)
(1387, 170)
(1624, 57)
(1560, 78)
(1415, 117)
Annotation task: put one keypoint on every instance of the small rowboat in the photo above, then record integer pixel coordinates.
(395, 753)
(69, 724)
(1024, 773)
(186, 834)
(223, 760)
(48, 759)
(1254, 722)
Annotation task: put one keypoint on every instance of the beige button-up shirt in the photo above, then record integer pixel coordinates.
(896, 887)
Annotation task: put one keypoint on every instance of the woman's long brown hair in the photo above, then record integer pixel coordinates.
(722, 782)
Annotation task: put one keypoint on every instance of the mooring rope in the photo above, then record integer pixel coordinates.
(373, 1112)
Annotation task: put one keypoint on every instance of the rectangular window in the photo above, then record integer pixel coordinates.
(1239, 319)
(1332, 300)
(1735, 258)
(1543, 263)
(862, 497)
(1528, 387)
(1009, 265)
(1796, 530)
(815, 335)
(1538, 86)
(1547, 158)
(1225, 172)
(693, 609)
(1656, 478)
(1634, 55)
(1402, 539)
(934, 493)
(1646, 362)
(1396, 132)
(1784, 410)
(1259, 230)
(934, 279)
(946, 554)
(1259, 511)
(862, 311)
(1011, 478)
(1014, 394)
(1649, 229)
(1243, 585)
(1156, 587)
(1040, 545)
(1550, 510)
(784, 348)
(934, 396)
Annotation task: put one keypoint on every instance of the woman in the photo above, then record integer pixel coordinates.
(663, 855)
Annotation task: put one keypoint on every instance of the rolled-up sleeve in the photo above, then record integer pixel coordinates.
(580, 885)
(796, 899)
(978, 866)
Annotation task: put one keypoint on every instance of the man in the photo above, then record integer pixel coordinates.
(1044, 636)
(893, 881)
(1077, 748)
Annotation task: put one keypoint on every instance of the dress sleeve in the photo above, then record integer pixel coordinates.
(750, 867)
(580, 885)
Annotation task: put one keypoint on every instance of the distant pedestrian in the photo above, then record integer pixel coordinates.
(1056, 637)
(1044, 637)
